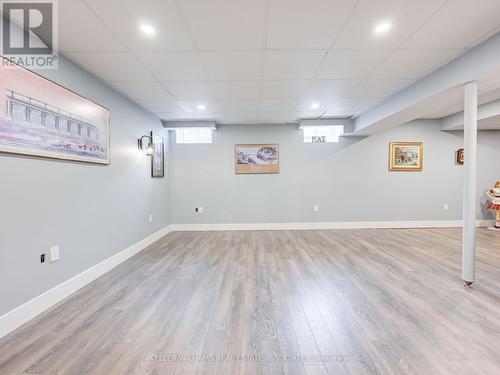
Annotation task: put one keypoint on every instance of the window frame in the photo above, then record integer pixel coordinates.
(180, 140)
(333, 137)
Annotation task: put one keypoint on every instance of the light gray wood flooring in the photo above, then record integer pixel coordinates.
(376, 301)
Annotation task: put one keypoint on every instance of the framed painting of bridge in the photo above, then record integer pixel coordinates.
(406, 156)
(41, 118)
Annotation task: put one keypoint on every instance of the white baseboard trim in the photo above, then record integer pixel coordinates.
(22, 314)
(327, 225)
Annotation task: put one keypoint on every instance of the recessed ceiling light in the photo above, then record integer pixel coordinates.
(382, 28)
(201, 107)
(147, 29)
(314, 105)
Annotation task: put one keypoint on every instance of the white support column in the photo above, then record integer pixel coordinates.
(470, 196)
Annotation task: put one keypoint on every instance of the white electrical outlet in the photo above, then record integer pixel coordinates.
(150, 218)
(54, 253)
(315, 208)
(445, 207)
(198, 210)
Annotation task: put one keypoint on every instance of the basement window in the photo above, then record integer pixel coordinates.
(193, 135)
(323, 133)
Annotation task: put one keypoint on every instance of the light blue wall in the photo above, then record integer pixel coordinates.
(350, 180)
(91, 211)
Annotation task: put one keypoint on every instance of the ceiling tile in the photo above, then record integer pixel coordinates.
(124, 18)
(351, 64)
(377, 88)
(274, 117)
(295, 24)
(413, 63)
(191, 106)
(237, 90)
(241, 117)
(190, 90)
(208, 116)
(243, 75)
(350, 106)
(270, 105)
(142, 90)
(171, 116)
(283, 89)
(303, 115)
(75, 33)
(233, 65)
(161, 106)
(174, 66)
(112, 66)
(245, 105)
(292, 64)
(329, 88)
(223, 25)
(405, 16)
(458, 24)
(315, 105)
(340, 112)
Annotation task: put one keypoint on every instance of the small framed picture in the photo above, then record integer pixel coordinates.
(257, 159)
(406, 156)
(158, 157)
(460, 156)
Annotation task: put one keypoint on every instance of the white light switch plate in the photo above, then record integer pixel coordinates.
(150, 218)
(445, 207)
(54, 253)
(316, 208)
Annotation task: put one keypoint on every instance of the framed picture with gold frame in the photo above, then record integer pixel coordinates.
(406, 156)
(257, 158)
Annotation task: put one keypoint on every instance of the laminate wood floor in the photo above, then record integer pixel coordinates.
(373, 301)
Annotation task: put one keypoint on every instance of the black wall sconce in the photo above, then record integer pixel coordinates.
(145, 143)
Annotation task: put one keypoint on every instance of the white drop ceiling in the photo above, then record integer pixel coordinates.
(268, 61)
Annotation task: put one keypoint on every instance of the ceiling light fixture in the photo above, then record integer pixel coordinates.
(147, 29)
(314, 105)
(201, 107)
(382, 28)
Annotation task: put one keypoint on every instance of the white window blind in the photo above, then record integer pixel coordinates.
(193, 135)
(323, 133)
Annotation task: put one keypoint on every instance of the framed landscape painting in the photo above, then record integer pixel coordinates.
(158, 157)
(41, 118)
(257, 159)
(406, 156)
